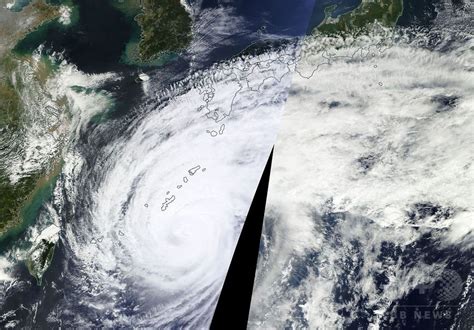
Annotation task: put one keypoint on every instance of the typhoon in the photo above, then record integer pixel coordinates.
(135, 133)
(151, 205)
(140, 165)
(155, 242)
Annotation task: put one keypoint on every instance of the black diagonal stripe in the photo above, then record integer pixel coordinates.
(234, 302)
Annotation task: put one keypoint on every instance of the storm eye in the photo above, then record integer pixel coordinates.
(445, 102)
(334, 104)
(366, 163)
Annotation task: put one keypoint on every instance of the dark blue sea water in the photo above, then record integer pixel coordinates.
(420, 12)
(279, 16)
(95, 43)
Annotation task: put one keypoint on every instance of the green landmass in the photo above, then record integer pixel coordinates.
(12, 198)
(40, 259)
(21, 200)
(10, 108)
(15, 26)
(165, 27)
(15, 196)
(385, 12)
(160, 29)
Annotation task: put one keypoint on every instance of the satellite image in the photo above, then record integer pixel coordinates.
(141, 139)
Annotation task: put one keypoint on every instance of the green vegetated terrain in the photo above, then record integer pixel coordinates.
(385, 12)
(12, 199)
(162, 27)
(10, 103)
(14, 196)
(165, 25)
(40, 259)
(20, 202)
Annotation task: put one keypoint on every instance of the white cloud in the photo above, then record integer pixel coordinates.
(369, 136)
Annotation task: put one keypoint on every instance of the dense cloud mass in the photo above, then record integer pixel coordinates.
(159, 231)
(146, 171)
(372, 179)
